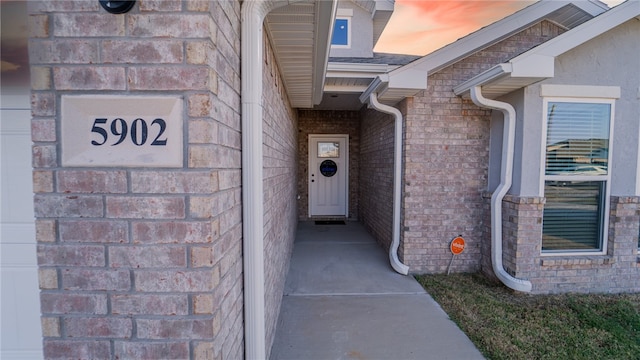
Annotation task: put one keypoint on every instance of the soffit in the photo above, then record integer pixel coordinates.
(299, 35)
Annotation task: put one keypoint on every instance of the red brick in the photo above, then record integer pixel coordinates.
(76, 51)
(102, 279)
(210, 206)
(175, 329)
(98, 327)
(229, 179)
(174, 182)
(190, 78)
(161, 5)
(94, 231)
(67, 206)
(146, 207)
(76, 349)
(89, 78)
(142, 51)
(92, 181)
(44, 156)
(69, 303)
(71, 255)
(214, 156)
(87, 25)
(43, 103)
(41, 78)
(65, 6)
(45, 230)
(176, 280)
(151, 350)
(203, 131)
(198, 5)
(42, 181)
(199, 105)
(39, 26)
(173, 232)
(171, 25)
(147, 256)
(201, 52)
(149, 304)
(43, 130)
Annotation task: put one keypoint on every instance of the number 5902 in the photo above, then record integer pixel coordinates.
(137, 131)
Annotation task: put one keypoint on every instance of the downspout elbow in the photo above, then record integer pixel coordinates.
(397, 265)
(506, 175)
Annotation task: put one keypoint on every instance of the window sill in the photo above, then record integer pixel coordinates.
(578, 260)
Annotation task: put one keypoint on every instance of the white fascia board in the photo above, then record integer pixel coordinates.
(535, 65)
(377, 85)
(381, 14)
(384, 5)
(335, 67)
(411, 79)
(325, 17)
(496, 72)
(576, 36)
(593, 7)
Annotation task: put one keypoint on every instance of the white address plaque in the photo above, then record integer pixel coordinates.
(121, 130)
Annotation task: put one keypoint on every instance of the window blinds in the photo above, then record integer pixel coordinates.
(577, 138)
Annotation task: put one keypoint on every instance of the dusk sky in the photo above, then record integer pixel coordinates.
(418, 27)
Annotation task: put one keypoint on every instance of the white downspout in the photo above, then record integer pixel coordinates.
(253, 15)
(506, 174)
(397, 180)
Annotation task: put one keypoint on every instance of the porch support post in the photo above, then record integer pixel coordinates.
(253, 14)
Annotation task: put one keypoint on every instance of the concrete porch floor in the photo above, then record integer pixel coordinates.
(342, 300)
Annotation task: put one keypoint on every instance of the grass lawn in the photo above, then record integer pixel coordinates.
(505, 324)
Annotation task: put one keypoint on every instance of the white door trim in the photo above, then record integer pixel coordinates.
(345, 153)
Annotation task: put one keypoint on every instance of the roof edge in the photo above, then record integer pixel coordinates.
(539, 63)
(494, 33)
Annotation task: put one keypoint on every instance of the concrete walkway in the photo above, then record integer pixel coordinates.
(342, 300)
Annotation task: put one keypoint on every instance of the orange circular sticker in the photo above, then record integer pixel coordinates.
(457, 245)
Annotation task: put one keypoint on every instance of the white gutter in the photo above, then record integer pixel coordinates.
(397, 177)
(506, 173)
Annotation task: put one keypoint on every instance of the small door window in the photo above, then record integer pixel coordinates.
(328, 149)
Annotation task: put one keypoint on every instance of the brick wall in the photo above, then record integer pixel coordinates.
(280, 128)
(616, 271)
(446, 160)
(328, 122)
(376, 175)
(140, 262)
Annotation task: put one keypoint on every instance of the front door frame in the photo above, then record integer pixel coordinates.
(310, 161)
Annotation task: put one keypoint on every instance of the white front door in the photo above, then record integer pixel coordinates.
(328, 175)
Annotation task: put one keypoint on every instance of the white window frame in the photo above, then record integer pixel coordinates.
(344, 14)
(583, 92)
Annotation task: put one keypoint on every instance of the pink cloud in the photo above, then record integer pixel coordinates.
(420, 27)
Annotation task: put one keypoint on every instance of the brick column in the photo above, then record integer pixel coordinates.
(140, 262)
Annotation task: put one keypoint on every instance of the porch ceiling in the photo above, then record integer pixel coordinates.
(300, 34)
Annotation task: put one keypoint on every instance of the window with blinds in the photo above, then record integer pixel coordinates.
(576, 176)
